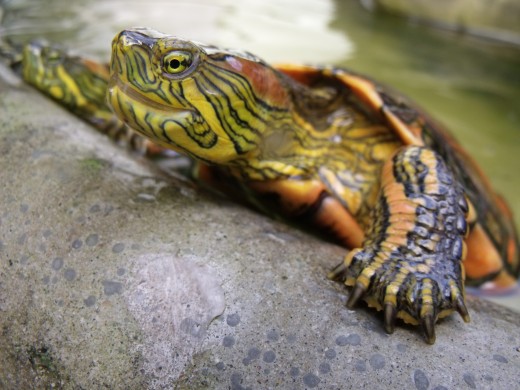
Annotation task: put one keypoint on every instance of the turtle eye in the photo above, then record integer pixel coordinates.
(177, 62)
(53, 56)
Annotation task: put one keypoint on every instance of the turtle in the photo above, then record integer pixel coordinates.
(326, 147)
(79, 84)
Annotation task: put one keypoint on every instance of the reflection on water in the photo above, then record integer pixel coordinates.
(297, 29)
(471, 86)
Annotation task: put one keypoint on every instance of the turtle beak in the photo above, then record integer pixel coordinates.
(138, 36)
(130, 38)
(123, 43)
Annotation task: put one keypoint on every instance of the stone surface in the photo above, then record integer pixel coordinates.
(498, 19)
(116, 275)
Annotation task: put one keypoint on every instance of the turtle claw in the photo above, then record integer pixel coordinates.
(428, 325)
(390, 314)
(357, 292)
(338, 272)
(413, 297)
(462, 309)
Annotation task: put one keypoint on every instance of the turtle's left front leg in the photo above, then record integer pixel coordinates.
(410, 264)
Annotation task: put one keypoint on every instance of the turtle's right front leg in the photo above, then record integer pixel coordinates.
(410, 264)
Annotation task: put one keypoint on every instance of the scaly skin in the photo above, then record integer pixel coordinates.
(80, 85)
(410, 264)
(326, 146)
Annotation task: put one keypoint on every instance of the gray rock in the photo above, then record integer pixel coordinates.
(188, 289)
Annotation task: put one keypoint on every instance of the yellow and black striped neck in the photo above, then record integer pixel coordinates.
(229, 108)
(75, 82)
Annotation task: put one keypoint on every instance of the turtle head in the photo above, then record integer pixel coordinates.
(65, 77)
(212, 104)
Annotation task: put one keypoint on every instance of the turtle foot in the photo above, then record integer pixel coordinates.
(410, 265)
(401, 289)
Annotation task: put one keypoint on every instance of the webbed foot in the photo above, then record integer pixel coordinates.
(410, 265)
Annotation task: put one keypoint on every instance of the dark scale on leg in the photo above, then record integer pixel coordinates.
(410, 265)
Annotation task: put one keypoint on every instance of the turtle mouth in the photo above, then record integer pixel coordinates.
(154, 120)
(134, 95)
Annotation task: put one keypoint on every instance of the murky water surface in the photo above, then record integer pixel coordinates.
(471, 86)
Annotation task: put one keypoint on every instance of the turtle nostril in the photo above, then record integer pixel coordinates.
(136, 36)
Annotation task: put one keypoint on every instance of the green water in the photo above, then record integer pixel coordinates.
(471, 86)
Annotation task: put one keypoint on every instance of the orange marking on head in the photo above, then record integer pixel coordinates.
(262, 78)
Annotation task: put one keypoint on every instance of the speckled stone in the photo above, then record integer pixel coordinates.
(92, 239)
(190, 290)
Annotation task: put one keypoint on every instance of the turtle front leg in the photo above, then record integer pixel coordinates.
(410, 264)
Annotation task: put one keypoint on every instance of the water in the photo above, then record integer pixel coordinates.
(472, 86)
